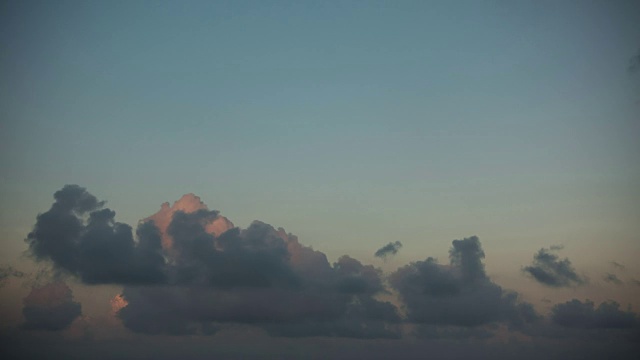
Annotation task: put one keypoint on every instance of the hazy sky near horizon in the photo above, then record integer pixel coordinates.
(350, 124)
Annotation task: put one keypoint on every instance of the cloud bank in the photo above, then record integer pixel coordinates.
(187, 270)
(578, 314)
(194, 271)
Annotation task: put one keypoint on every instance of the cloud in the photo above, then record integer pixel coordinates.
(613, 279)
(50, 307)
(458, 294)
(549, 270)
(7, 272)
(618, 265)
(259, 276)
(194, 271)
(187, 270)
(188, 203)
(263, 277)
(578, 314)
(82, 238)
(389, 249)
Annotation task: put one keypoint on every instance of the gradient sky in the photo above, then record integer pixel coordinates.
(350, 124)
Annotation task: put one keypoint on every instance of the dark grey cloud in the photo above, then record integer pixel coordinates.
(289, 290)
(7, 272)
(613, 279)
(196, 277)
(83, 239)
(549, 270)
(458, 294)
(389, 249)
(254, 257)
(578, 314)
(50, 307)
(259, 275)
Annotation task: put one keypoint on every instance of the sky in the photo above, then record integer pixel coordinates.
(382, 130)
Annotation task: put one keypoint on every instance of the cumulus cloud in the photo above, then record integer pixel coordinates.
(186, 271)
(50, 307)
(613, 279)
(389, 249)
(457, 294)
(549, 270)
(268, 280)
(578, 314)
(82, 238)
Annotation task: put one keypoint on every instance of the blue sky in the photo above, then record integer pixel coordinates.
(351, 124)
(394, 108)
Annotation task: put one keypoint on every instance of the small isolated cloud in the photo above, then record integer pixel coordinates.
(578, 314)
(613, 279)
(50, 307)
(7, 272)
(556, 247)
(548, 269)
(458, 294)
(389, 249)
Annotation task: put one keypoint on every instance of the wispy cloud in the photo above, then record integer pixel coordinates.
(613, 279)
(389, 249)
(550, 270)
(617, 265)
